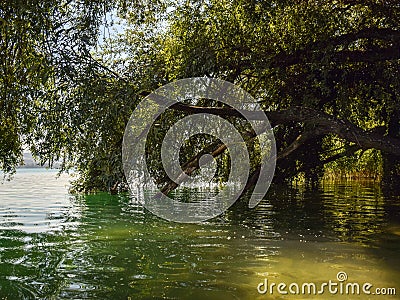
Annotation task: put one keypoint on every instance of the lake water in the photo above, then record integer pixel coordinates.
(57, 246)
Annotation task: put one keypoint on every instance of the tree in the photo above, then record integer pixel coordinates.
(339, 58)
(326, 73)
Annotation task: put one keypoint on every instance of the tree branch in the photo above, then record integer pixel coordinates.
(300, 140)
(312, 52)
(322, 122)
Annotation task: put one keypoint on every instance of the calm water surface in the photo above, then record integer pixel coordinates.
(58, 246)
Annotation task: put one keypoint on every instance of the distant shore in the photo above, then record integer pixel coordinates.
(29, 162)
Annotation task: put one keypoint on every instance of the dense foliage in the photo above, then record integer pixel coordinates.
(69, 84)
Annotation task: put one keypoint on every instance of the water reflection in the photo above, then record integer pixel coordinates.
(107, 247)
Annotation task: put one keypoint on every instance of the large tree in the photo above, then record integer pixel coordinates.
(326, 73)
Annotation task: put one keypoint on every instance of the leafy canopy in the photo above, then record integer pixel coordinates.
(68, 87)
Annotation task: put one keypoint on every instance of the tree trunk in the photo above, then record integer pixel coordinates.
(391, 163)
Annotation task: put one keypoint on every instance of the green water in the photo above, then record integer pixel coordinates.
(57, 246)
